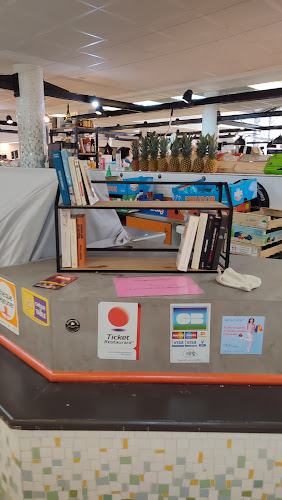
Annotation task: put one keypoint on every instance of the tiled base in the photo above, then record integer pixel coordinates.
(92, 465)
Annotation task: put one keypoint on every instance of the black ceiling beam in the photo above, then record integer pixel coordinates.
(10, 82)
(8, 131)
(4, 122)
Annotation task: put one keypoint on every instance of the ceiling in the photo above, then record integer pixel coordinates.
(143, 49)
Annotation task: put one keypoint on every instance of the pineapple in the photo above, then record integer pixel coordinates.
(211, 163)
(186, 163)
(174, 165)
(144, 153)
(198, 163)
(135, 156)
(154, 149)
(162, 161)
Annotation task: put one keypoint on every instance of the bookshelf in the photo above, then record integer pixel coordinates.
(77, 131)
(162, 259)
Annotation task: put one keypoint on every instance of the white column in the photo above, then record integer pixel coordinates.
(30, 116)
(209, 120)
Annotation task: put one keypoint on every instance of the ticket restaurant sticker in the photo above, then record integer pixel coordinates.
(8, 306)
(190, 333)
(118, 330)
(36, 307)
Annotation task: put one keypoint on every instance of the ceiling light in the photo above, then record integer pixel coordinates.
(99, 110)
(58, 115)
(240, 141)
(187, 96)
(9, 120)
(267, 86)
(147, 103)
(47, 119)
(95, 103)
(194, 97)
(110, 108)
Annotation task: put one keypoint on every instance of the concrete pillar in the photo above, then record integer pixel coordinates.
(30, 116)
(209, 121)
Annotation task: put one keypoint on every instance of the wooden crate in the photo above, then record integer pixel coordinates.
(261, 219)
(255, 251)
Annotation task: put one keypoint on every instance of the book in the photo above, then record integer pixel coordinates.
(216, 226)
(207, 241)
(61, 177)
(65, 238)
(92, 197)
(55, 282)
(199, 241)
(65, 161)
(220, 240)
(80, 183)
(74, 180)
(81, 239)
(74, 260)
(187, 242)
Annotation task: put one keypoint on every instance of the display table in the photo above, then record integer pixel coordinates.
(61, 354)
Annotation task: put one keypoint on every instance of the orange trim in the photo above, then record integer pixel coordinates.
(141, 377)
(27, 358)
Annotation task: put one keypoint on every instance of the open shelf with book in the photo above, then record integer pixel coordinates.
(133, 258)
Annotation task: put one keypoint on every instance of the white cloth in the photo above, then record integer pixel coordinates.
(27, 223)
(232, 279)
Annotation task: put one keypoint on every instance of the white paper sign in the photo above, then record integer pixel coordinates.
(8, 306)
(118, 330)
(189, 333)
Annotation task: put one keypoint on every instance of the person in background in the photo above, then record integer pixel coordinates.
(125, 161)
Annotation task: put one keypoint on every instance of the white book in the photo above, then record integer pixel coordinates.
(74, 262)
(65, 238)
(199, 241)
(74, 180)
(187, 242)
(92, 197)
(80, 183)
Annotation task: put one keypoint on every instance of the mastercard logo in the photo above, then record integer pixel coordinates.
(177, 335)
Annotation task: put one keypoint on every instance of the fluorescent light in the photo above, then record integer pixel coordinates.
(147, 103)
(58, 115)
(194, 97)
(95, 103)
(110, 108)
(267, 86)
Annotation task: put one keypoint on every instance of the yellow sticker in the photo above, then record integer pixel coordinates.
(8, 306)
(36, 307)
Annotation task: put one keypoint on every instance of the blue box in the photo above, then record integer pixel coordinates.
(241, 191)
(160, 212)
(132, 188)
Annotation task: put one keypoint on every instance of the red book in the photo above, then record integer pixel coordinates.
(81, 239)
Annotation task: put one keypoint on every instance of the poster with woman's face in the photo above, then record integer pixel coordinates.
(242, 334)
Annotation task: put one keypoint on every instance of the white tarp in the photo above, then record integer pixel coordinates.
(27, 225)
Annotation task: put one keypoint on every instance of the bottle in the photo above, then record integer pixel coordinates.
(109, 172)
(92, 147)
(68, 115)
(92, 163)
(86, 143)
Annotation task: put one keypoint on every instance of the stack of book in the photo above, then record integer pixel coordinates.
(74, 181)
(202, 242)
(73, 239)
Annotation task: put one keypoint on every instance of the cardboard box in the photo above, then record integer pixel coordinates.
(254, 236)
(261, 219)
(132, 188)
(155, 196)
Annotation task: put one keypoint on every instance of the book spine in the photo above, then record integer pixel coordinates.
(61, 177)
(213, 242)
(68, 176)
(74, 180)
(81, 240)
(199, 241)
(220, 240)
(73, 243)
(93, 198)
(207, 241)
(66, 238)
(80, 184)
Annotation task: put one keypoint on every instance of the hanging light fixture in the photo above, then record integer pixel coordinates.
(47, 119)
(240, 141)
(270, 145)
(278, 140)
(9, 120)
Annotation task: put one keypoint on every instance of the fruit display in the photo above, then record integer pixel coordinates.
(211, 162)
(153, 149)
(186, 162)
(198, 163)
(174, 164)
(162, 161)
(135, 155)
(144, 153)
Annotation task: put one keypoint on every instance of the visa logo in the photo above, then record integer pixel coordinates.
(178, 343)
